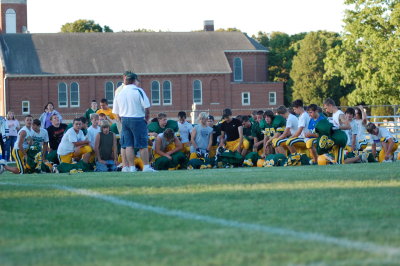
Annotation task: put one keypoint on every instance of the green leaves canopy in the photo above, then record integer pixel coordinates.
(369, 56)
(83, 25)
(308, 69)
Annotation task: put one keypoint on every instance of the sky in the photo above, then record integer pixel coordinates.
(252, 16)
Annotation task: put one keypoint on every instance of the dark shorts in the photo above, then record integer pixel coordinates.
(134, 132)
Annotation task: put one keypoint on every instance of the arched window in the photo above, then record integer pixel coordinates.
(237, 69)
(11, 21)
(119, 83)
(62, 95)
(155, 92)
(167, 94)
(74, 95)
(109, 92)
(197, 92)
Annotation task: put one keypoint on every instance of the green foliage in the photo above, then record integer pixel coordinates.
(308, 69)
(370, 53)
(228, 30)
(84, 25)
(140, 30)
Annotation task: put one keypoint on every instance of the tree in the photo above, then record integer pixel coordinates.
(369, 55)
(83, 25)
(281, 52)
(308, 69)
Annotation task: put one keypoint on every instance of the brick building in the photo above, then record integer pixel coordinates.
(215, 70)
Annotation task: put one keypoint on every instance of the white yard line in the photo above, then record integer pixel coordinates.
(313, 237)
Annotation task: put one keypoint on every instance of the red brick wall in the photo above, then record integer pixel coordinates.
(254, 65)
(21, 13)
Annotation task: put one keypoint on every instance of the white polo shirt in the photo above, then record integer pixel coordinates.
(67, 142)
(131, 102)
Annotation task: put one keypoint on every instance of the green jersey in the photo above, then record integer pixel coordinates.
(87, 115)
(155, 127)
(277, 126)
(256, 131)
(275, 160)
(324, 127)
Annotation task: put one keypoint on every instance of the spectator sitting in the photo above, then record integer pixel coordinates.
(93, 129)
(106, 149)
(92, 110)
(105, 109)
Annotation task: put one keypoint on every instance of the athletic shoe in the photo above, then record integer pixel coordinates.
(3, 162)
(387, 161)
(149, 169)
(364, 157)
(132, 169)
(125, 169)
(54, 170)
(1, 169)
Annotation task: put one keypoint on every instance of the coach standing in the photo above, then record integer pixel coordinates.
(132, 107)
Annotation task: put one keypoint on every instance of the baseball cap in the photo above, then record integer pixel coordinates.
(210, 117)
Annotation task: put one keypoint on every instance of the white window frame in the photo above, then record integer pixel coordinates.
(273, 93)
(201, 91)
(170, 92)
(70, 95)
(110, 101)
(151, 93)
(11, 21)
(248, 98)
(29, 107)
(66, 95)
(234, 69)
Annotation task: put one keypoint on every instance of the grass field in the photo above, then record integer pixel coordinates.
(310, 215)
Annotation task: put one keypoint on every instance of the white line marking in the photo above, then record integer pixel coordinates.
(342, 242)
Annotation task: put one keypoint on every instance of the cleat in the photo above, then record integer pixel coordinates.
(364, 157)
(149, 169)
(1, 169)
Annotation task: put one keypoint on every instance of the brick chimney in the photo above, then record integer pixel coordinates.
(208, 25)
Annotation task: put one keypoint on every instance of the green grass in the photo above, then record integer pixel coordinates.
(41, 225)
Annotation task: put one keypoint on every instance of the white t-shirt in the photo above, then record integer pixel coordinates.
(131, 101)
(360, 130)
(39, 137)
(293, 123)
(28, 137)
(335, 118)
(67, 142)
(383, 134)
(184, 130)
(91, 134)
(12, 127)
(352, 131)
(304, 120)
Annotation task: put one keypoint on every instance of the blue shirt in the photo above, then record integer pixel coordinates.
(313, 123)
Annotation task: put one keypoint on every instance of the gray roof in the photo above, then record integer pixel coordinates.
(112, 53)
